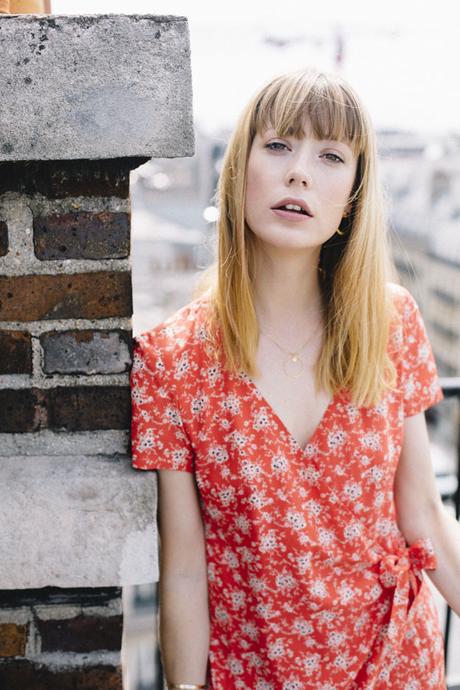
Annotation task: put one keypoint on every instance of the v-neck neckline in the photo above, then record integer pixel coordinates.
(282, 426)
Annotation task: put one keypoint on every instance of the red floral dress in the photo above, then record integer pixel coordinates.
(311, 584)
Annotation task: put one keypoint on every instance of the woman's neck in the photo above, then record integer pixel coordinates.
(287, 293)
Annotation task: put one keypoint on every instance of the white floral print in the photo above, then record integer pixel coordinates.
(311, 583)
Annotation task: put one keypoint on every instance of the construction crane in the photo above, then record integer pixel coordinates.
(334, 40)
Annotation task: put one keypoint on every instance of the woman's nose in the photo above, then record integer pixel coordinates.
(301, 176)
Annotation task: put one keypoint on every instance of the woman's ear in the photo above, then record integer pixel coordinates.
(347, 210)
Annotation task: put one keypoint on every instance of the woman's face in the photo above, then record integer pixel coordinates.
(318, 174)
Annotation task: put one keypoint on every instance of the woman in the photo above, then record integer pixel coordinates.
(288, 398)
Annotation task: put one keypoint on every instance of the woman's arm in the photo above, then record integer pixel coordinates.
(184, 613)
(421, 512)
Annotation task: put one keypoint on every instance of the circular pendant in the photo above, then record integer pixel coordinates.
(293, 366)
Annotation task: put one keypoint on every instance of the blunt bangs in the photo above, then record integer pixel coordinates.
(329, 104)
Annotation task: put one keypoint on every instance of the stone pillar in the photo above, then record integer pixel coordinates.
(85, 99)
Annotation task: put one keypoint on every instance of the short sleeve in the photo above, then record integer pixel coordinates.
(419, 376)
(158, 437)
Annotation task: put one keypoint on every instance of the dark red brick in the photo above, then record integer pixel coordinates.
(82, 596)
(68, 296)
(83, 408)
(77, 408)
(22, 410)
(81, 634)
(63, 179)
(15, 352)
(13, 639)
(25, 675)
(3, 238)
(82, 235)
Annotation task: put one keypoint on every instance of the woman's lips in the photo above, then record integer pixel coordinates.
(292, 216)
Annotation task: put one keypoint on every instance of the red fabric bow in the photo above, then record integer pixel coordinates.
(403, 572)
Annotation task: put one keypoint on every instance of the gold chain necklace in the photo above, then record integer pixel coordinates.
(293, 365)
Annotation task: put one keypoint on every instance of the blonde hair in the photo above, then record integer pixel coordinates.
(355, 269)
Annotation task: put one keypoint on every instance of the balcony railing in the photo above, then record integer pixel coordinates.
(451, 389)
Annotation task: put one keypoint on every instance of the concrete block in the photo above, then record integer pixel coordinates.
(95, 86)
(76, 522)
(63, 443)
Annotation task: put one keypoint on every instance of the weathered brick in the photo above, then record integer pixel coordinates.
(81, 634)
(82, 408)
(68, 296)
(82, 235)
(15, 352)
(86, 352)
(85, 408)
(21, 410)
(13, 639)
(63, 179)
(3, 238)
(25, 675)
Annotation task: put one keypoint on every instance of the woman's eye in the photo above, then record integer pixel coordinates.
(274, 144)
(334, 157)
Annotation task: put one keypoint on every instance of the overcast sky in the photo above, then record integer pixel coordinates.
(402, 56)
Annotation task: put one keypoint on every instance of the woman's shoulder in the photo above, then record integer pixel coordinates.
(400, 294)
(407, 329)
(403, 302)
(177, 339)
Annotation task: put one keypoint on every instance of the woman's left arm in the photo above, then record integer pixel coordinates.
(421, 513)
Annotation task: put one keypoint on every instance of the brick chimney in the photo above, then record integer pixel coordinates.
(85, 99)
